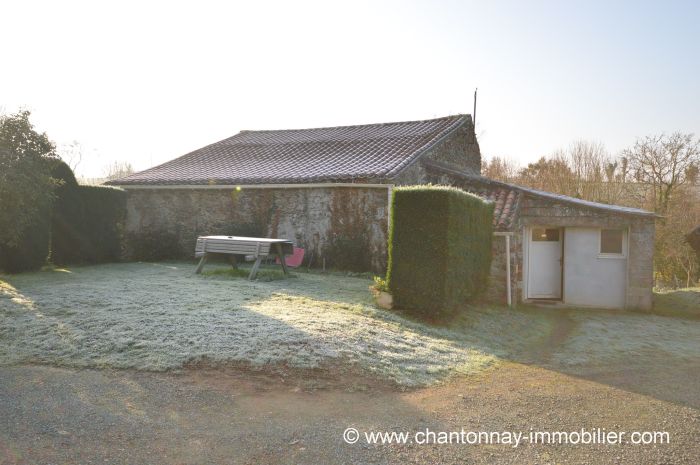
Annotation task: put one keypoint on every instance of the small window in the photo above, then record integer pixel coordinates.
(611, 241)
(545, 235)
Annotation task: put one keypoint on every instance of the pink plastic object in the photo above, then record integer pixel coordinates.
(294, 260)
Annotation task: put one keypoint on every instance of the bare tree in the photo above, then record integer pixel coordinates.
(664, 163)
(118, 169)
(676, 263)
(500, 168)
(584, 170)
(72, 154)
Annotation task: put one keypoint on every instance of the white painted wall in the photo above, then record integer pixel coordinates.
(590, 279)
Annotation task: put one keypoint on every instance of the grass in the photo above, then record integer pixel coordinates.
(265, 274)
(161, 316)
(678, 302)
(627, 338)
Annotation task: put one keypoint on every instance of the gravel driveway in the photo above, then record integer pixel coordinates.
(202, 416)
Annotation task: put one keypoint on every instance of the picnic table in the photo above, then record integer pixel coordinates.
(234, 246)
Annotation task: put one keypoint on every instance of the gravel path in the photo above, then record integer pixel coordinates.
(52, 415)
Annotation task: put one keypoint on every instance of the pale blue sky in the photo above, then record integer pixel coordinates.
(146, 82)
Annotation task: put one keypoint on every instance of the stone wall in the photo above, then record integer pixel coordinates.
(338, 224)
(497, 289)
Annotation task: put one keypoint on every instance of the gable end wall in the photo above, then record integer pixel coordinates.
(460, 151)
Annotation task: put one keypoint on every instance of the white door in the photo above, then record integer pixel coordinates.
(595, 267)
(544, 263)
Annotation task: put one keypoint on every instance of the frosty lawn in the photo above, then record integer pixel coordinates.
(162, 316)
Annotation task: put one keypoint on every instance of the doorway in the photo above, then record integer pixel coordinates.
(544, 273)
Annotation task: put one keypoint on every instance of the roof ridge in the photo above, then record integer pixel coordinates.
(390, 123)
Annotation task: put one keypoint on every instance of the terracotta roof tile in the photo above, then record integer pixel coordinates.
(506, 204)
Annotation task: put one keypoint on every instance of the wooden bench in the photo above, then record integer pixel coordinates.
(233, 246)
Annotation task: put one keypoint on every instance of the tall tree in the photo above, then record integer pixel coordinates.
(25, 175)
(665, 163)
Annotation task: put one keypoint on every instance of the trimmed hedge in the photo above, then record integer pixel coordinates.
(66, 217)
(86, 221)
(32, 250)
(87, 225)
(439, 249)
(103, 221)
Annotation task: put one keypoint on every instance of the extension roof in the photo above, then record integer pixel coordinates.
(508, 198)
(336, 154)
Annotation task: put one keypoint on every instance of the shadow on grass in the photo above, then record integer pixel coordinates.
(265, 274)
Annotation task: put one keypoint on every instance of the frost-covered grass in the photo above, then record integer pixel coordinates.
(162, 316)
(677, 302)
(628, 338)
(244, 272)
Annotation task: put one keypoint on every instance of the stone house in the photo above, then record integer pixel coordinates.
(329, 190)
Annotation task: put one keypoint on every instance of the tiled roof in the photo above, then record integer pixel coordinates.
(345, 153)
(506, 206)
(508, 198)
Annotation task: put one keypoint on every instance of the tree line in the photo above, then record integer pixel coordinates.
(658, 173)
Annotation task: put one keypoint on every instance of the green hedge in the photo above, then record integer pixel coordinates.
(86, 221)
(439, 249)
(103, 221)
(87, 225)
(32, 250)
(66, 217)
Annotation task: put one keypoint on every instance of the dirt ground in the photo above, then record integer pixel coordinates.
(231, 415)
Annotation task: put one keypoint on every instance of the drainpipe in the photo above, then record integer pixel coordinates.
(389, 191)
(509, 296)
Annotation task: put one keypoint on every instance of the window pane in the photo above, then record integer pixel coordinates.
(545, 235)
(611, 241)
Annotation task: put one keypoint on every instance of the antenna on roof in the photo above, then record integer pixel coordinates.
(474, 113)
